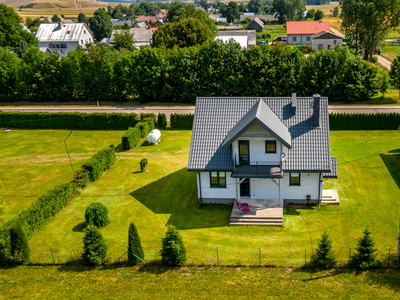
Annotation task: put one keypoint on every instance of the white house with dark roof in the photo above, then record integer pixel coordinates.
(326, 40)
(62, 38)
(265, 151)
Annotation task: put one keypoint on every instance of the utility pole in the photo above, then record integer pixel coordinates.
(65, 143)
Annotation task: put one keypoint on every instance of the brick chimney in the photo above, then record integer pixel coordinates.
(316, 106)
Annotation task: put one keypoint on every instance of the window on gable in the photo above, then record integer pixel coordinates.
(294, 179)
(270, 146)
(82, 42)
(84, 32)
(217, 179)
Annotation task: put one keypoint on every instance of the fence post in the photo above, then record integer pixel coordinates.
(349, 255)
(51, 249)
(88, 177)
(217, 256)
(305, 256)
(389, 258)
(259, 252)
(118, 152)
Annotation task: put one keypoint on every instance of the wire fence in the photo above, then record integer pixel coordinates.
(223, 256)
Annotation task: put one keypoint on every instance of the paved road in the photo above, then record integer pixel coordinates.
(384, 62)
(367, 109)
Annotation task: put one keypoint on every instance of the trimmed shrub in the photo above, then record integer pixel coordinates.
(173, 252)
(182, 121)
(96, 214)
(365, 256)
(143, 164)
(68, 120)
(374, 59)
(131, 138)
(144, 116)
(134, 245)
(379, 121)
(100, 162)
(144, 128)
(20, 251)
(162, 121)
(150, 122)
(81, 178)
(95, 248)
(323, 256)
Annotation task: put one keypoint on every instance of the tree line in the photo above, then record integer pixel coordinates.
(213, 69)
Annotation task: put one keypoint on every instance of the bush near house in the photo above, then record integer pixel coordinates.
(150, 122)
(144, 128)
(365, 256)
(95, 248)
(134, 245)
(131, 138)
(162, 121)
(173, 252)
(20, 251)
(100, 162)
(182, 121)
(323, 256)
(96, 214)
(143, 164)
(379, 121)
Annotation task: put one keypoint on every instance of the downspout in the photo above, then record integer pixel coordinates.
(201, 197)
(319, 190)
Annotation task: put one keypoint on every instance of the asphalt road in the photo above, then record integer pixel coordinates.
(367, 109)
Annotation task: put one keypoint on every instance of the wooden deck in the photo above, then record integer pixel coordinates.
(330, 197)
(263, 212)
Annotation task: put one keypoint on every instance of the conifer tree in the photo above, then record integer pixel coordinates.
(365, 256)
(173, 251)
(134, 245)
(19, 245)
(324, 256)
(95, 248)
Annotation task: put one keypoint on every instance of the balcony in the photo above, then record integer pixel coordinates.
(257, 169)
(57, 45)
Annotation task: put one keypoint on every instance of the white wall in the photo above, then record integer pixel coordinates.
(309, 185)
(325, 43)
(264, 188)
(71, 46)
(301, 39)
(208, 192)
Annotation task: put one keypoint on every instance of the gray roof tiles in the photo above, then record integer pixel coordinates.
(215, 118)
(333, 173)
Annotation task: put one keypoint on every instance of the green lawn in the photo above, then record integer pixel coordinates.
(33, 161)
(390, 52)
(167, 194)
(155, 282)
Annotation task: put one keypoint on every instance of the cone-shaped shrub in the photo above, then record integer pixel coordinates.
(19, 245)
(97, 214)
(94, 247)
(134, 245)
(173, 251)
(365, 256)
(143, 164)
(324, 257)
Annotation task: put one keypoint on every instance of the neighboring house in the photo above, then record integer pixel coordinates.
(161, 13)
(145, 19)
(241, 40)
(158, 24)
(25, 28)
(62, 38)
(217, 18)
(46, 51)
(300, 32)
(117, 22)
(326, 40)
(262, 149)
(140, 25)
(143, 37)
(48, 20)
(237, 35)
(261, 17)
(256, 24)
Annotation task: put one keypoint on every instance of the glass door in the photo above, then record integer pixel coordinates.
(245, 188)
(244, 153)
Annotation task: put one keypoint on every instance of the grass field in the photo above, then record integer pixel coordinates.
(368, 187)
(154, 282)
(390, 52)
(33, 161)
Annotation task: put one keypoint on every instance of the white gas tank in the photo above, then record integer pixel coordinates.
(154, 136)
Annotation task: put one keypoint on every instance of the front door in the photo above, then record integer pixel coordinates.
(245, 188)
(244, 153)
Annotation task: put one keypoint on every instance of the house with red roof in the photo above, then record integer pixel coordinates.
(300, 32)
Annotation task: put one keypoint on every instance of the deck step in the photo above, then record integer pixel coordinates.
(255, 224)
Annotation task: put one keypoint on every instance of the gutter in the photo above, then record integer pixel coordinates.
(201, 197)
(319, 190)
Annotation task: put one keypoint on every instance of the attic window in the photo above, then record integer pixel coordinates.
(84, 32)
(270, 146)
(68, 32)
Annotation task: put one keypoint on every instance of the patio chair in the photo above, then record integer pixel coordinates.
(241, 204)
(244, 210)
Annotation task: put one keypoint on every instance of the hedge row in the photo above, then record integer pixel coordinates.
(379, 121)
(67, 120)
(36, 216)
(182, 121)
(133, 135)
(100, 162)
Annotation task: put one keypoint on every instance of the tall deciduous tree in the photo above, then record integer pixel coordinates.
(100, 24)
(368, 22)
(123, 39)
(55, 18)
(395, 73)
(82, 18)
(335, 12)
(186, 33)
(255, 6)
(318, 15)
(286, 9)
(11, 29)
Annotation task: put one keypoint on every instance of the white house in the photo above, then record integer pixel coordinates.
(300, 32)
(326, 40)
(142, 36)
(62, 38)
(270, 150)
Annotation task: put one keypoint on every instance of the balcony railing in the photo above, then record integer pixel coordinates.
(57, 45)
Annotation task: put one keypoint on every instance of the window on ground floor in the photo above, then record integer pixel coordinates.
(270, 146)
(294, 39)
(217, 179)
(294, 178)
(308, 39)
